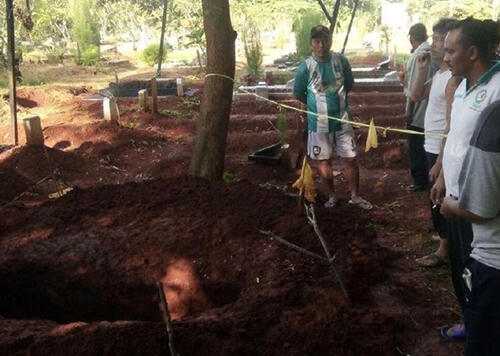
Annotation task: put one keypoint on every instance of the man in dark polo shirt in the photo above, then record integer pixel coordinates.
(479, 202)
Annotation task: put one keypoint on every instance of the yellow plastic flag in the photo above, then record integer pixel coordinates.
(305, 183)
(371, 139)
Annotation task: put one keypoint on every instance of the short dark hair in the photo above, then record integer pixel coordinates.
(320, 31)
(418, 32)
(480, 34)
(492, 29)
(443, 25)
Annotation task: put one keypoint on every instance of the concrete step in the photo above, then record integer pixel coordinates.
(374, 98)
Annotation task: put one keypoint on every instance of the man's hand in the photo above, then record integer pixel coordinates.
(437, 190)
(449, 208)
(423, 61)
(435, 171)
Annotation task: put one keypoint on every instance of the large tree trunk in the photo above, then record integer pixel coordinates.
(211, 132)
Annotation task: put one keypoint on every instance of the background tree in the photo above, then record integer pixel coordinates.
(211, 132)
(85, 29)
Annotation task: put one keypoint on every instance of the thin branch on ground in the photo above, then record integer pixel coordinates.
(168, 320)
(293, 246)
(311, 217)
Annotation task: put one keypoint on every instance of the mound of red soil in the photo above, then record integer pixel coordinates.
(96, 254)
(11, 184)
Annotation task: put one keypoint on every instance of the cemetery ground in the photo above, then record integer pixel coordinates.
(78, 273)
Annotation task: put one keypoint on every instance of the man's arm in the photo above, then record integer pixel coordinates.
(420, 89)
(436, 172)
(451, 210)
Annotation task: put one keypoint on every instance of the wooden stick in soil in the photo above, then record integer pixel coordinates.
(311, 216)
(293, 246)
(168, 320)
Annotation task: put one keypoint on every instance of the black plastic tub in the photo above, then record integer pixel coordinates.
(270, 155)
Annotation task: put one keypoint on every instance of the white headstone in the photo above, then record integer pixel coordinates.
(180, 87)
(143, 99)
(33, 130)
(110, 109)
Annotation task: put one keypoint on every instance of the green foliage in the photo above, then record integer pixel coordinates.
(35, 81)
(149, 55)
(228, 177)
(302, 27)
(56, 55)
(85, 29)
(253, 51)
(91, 56)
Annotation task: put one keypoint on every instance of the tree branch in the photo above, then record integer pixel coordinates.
(334, 16)
(323, 7)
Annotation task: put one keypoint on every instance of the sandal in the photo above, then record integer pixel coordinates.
(431, 260)
(455, 332)
(362, 203)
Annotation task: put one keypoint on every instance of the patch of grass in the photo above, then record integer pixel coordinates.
(34, 81)
(176, 114)
(228, 177)
(132, 123)
(183, 55)
(191, 102)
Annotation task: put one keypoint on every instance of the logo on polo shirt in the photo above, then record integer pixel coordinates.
(480, 96)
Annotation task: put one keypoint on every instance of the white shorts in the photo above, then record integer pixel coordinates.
(320, 145)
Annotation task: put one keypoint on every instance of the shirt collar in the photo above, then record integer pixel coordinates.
(485, 78)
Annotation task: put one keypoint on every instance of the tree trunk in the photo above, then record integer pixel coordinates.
(211, 132)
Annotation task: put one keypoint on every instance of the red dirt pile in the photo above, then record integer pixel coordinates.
(96, 254)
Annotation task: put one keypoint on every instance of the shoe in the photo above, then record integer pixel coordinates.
(435, 237)
(362, 203)
(455, 332)
(416, 187)
(431, 260)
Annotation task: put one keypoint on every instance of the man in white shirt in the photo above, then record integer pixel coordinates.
(467, 53)
(434, 124)
(415, 110)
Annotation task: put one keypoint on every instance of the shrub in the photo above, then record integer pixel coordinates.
(253, 51)
(91, 56)
(149, 55)
(56, 55)
(85, 29)
(302, 27)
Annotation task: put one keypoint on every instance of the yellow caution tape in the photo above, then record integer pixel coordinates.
(354, 123)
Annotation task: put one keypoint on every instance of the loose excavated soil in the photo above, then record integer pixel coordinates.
(96, 254)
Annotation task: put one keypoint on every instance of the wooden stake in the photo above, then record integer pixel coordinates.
(154, 96)
(168, 320)
(11, 49)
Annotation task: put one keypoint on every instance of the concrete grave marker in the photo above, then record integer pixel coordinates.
(143, 99)
(110, 109)
(180, 87)
(33, 130)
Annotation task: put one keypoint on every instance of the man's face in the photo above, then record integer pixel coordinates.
(321, 47)
(438, 45)
(413, 43)
(455, 54)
